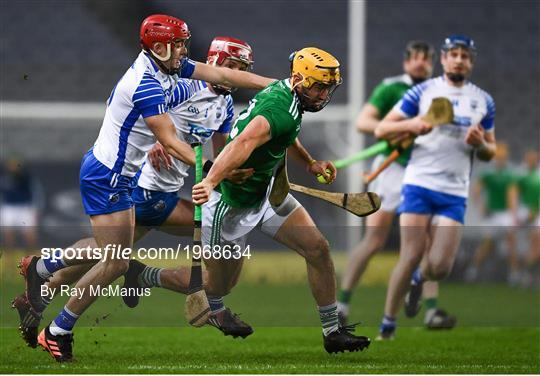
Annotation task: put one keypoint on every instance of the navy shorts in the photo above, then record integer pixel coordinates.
(419, 200)
(152, 208)
(102, 190)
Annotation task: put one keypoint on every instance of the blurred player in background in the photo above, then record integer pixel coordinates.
(21, 198)
(260, 139)
(497, 193)
(436, 181)
(200, 111)
(528, 186)
(417, 67)
(136, 115)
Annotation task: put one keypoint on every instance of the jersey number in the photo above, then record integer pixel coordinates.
(244, 115)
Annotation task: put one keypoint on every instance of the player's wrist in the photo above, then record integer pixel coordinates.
(207, 166)
(310, 163)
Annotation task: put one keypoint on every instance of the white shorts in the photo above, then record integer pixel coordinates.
(17, 215)
(223, 224)
(388, 184)
(497, 223)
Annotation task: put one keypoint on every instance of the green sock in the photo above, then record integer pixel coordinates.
(431, 303)
(344, 296)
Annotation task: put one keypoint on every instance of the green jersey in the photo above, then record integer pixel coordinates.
(529, 190)
(496, 184)
(385, 96)
(281, 108)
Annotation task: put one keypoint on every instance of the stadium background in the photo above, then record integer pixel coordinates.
(60, 60)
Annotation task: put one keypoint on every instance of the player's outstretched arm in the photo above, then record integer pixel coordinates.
(396, 123)
(230, 77)
(367, 119)
(255, 134)
(165, 132)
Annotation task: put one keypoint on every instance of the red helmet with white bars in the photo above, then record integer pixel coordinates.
(165, 29)
(232, 48)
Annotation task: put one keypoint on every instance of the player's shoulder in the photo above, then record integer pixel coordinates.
(481, 92)
(402, 79)
(276, 94)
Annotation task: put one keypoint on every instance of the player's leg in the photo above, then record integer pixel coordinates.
(36, 270)
(446, 235)
(107, 200)
(413, 237)
(166, 212)
(532, 258)
(298, 232)
(45, 287)
(514, 266)
(481, 253)
(375, 235)
(222, 230)
(180, 221)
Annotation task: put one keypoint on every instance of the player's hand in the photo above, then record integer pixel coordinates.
(159, 156)
(201, 192)
(324, 168)
(475, 136)
(240, 175)
(418, 126)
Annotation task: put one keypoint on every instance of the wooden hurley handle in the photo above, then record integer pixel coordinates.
(387, 162)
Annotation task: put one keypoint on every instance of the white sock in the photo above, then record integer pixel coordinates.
(343, 308)
(429, 315)
(42, 270)
(57, 331)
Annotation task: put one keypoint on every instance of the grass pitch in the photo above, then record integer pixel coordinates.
(498, 332)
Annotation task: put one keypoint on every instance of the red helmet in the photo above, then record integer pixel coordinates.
(162, 28)
(232, 48)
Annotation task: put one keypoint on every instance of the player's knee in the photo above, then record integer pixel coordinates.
(439, 271)
(117, 267)
(318, 250)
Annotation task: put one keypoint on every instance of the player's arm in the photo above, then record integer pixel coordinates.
(396, 123)
(483, 142)
(477, 189)
(229, 77)
(298, 152)
(367, 119)
(255, 134)
(165, 132)
(512, 199)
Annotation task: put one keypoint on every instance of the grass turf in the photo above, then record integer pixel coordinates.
(498, 332)
(281, 350)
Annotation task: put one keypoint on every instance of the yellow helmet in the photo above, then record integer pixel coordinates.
(315, 66)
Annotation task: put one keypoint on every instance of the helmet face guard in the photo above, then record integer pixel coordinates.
(320, 74)
(311, 91)
(160, 28)
(223, 48)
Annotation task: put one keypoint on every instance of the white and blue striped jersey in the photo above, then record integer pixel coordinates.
(143, 91)
(196, 119)
(441, 160)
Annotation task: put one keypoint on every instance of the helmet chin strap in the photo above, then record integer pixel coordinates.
(161, 60)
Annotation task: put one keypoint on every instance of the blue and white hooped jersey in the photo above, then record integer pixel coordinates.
(441, 160)
(196, 118)
(143, 91)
